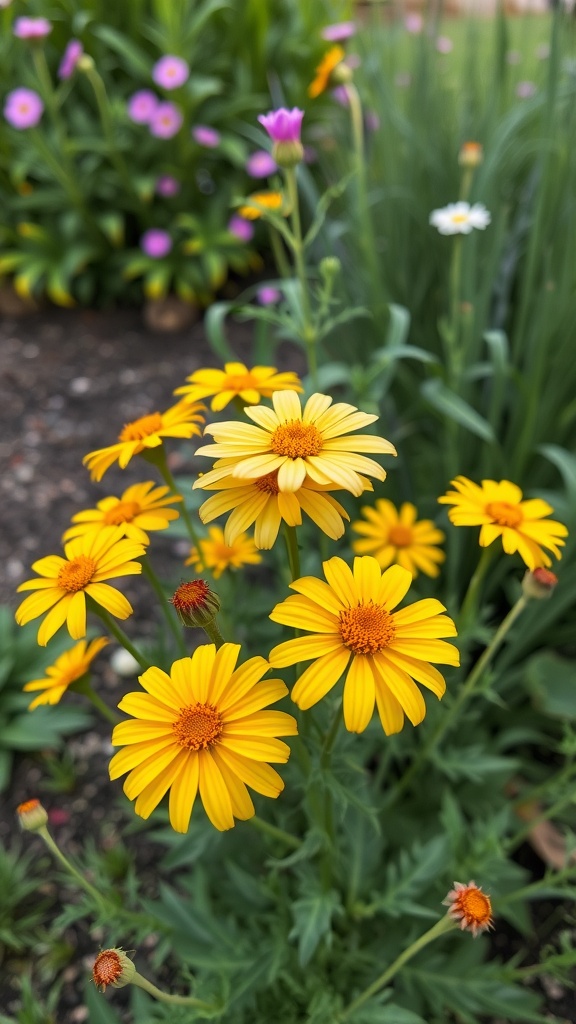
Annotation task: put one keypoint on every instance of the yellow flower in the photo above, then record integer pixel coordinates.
(65, 582)
(67, 669)
(356, 630)
(261, 502)
(499, 509)
(142, 507)
(301, 444)
(397, 538)
(330, 61)
(236, 379)
(259, 202)
(147, 432)
(203, 727)
(217, 555)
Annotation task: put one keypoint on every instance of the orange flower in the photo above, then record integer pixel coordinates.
(470, 906)
(330, 61)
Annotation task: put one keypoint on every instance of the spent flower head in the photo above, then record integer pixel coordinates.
(195, 604)
(112, 967)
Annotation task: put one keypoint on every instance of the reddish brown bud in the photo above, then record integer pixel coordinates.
(195, 604)
(539, 584)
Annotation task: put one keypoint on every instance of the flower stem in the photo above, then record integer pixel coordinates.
(83, 686)
(165, 997)
(274, 832)
(120, 635)
(291, 538)
(470, 602)
(167, 610)
(366, 233)
(57, 853)
(308, 330)
(213, 633)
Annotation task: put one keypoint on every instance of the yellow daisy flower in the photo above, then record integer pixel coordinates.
(142, 507)
(65, 582)
(499, 509)
(355, 629)
(300, 444)
(259, 202)
(398, 538)
(237, 380)
(147, 432)
(203, 728)
(67, 669)
(261, 502)
(217, 555)
(330, 61)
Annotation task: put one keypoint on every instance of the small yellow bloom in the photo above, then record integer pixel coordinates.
(217, 555)
(204, 728)
(237, 380)
(397, 538)
(330, 61)
(499, 509)
(142, 507)
(180, 420)
(67, 669)
(259, 202)
(356, 631)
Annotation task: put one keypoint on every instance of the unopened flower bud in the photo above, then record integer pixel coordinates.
(32, 815)
(329, 267)
(85, 63)
(195, 604)
(342, 74)
(539, 584)
(112, 967)
(288, 154)
(471, 155)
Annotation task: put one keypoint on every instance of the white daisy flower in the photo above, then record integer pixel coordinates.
(460, 218)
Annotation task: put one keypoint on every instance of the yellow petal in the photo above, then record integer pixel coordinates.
(110, 599)
(150, 769)
(54, 619)
(359, 694)
(151, 796)
(340, 578)
(304, 648)
(183, 793)
(214, 793)
(242, 806)
(389, 709)
(394, 586)
(402, 687)
(135, 754)
(201, 671)
(319, 678)
(223, 670)
(256, 774)
(36, 604)
(159, 685)
(260, 696)
(76, 617)
(258, 748)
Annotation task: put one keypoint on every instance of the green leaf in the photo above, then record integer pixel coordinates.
(552, 683)
(564, 460)
(391, 1013)
(131, 56)
(101, 1011)
(451, 405)
(312, 920)
(214, 327)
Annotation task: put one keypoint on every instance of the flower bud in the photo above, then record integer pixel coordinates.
(329, 267)
(288, 154)
(342, 74)
(85, 63)
(539, 584)
(195, 604)
(32, 815)
(112, 967)
(471, 155)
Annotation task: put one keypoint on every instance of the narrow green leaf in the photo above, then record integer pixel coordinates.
(451, 405)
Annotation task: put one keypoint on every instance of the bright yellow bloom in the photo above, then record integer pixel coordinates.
(330, 61)
(147, 432)
(67, 669)
(217, 555)
(142, 507)
(499, 509)
(65, 582)
(261, 502)
(396, 538)
(259, 202)
(301, 444)
(203, 727)
(237, 380)
(356, 630)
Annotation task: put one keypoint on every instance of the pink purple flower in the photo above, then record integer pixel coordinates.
(260, 164)
(170, 72)
(413, 23)
(23, 108)
(444, 44)
(283, 125)
(339, 31)
(340, 94)
(267, 295)
(70, 58)
(241, 228)
(167, 186)
(524, 90)
(156, 243)
(166, 121)
(206, 136)
(32, 28)
(142, 106)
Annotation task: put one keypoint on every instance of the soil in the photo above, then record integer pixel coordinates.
(68, 382)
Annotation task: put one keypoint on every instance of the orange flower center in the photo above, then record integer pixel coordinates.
(366, 629)
(240, 382)
(296, 440)
(191, 595)
(141, 428)
(107, 968)
(75, 575)
(28, 805)
(268, 483)
(400, 536)
(504, 514)
(123, 512)
(198, 726)
(475, 905)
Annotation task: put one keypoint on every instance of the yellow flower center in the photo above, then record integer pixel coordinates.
(240, 382)
(107, 968)
(400, 536)
(143, 427)
(75, 575)
(198, 726)
(475, 905)
(504, 514)
(459, 218)
(123, 512)
(366, 629)
(268, 483)
(296, 440)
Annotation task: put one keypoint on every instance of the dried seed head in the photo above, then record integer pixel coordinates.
(112, 967)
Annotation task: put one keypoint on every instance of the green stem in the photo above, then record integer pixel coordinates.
(165, 997)
(120, 635)
(83, 686)
(291, 538)
(274, 832)
(454, 352)
(57, 853)
(213, 633)
(470, 602)
(330, 737)
(445, 924)
(279, 254)
(308, 332)
(167, 609)
(366, 233)
(104, 110)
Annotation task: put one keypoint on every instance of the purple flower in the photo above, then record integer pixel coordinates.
(23, 108)
(170, 72)
(283, 125)
(241, 228)
(206, 136)
(524, 90)
(142, 106)
(444, 44)
(267, 295)
(340, 94)
(339, 31)
(166, 121)
(167, 186)
(156, 243)
(71, 56)
(413, 23)
(32, 28)
(260, 164)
